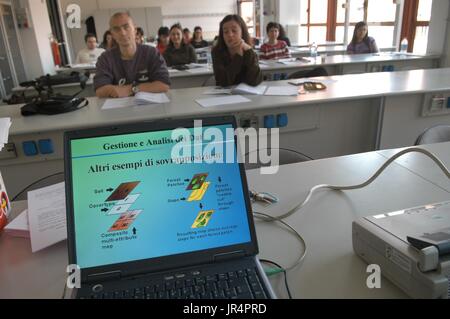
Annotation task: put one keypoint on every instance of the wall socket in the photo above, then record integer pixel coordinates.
(435, 104)
(246, 121)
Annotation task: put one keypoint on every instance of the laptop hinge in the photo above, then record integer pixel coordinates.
(110, 275)
(230, 255)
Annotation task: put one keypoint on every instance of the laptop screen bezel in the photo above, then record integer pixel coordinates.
(159, 263)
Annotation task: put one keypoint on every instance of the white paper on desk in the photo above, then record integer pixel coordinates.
(248, 89)
(222, 100)
(323, 81)
(173, 71)
(142, 98)
(198, 70)
(19, 227)
(282, 91)
(5, 124)
(118, 103)
(47, 216)
(217, 91)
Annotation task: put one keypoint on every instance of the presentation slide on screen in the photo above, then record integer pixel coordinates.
(133, 200)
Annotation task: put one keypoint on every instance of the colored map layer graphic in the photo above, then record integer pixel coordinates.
(202, 219)
(199, 193)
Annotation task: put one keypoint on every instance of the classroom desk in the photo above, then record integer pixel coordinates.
(357, 113)
(273, 70)
(330, 269)
(327, 50)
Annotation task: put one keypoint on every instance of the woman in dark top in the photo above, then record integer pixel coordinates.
(282, 35)
(234, 60)
(108, 41)
(361, 42)
(178, 53)
(197, 40)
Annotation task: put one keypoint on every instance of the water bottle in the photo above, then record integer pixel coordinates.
(404, 46)
(313, 50)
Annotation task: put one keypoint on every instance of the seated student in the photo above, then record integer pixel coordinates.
(178, 52)
(163, 39)
(361, 42)
(91, 53)
(129, 68)
(274, 49)
(187, 36)
(108, 41)
(282, 36)
(234, 60)
(197, 40)
(139, 35)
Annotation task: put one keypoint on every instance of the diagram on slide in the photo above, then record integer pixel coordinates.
(199, 186)
(202, 219)
(124, 201)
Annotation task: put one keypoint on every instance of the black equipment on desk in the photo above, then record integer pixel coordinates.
(49, 103)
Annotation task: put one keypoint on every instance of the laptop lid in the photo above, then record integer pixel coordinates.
(153, 196)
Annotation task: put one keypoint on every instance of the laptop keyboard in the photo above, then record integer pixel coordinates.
(239, 284)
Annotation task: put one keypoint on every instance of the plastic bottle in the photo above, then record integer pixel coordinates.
(404, 46)
(313, 50)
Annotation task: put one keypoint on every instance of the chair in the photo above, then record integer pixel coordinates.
(308, 73)
(435, 134)
(286, 156)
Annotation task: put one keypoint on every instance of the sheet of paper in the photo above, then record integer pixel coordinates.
(19, 226)
(5, 124)
(198, 70)
(248, 89)
(300, 81)
(47, 216)
(149, 98)
(217, 91)
(282, 90)
(222, 100)
(118, 103)
(173, 71)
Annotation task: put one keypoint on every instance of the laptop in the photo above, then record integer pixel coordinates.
(151, 215)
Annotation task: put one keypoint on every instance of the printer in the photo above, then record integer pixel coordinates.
(411, 246)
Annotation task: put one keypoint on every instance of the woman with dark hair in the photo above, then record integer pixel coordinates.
(234, 60)
(361, 42)
(177, 52)
(197, 40)
(108, 41)
(274, 48)
(282, 35)
(139, 36)
(163, 39)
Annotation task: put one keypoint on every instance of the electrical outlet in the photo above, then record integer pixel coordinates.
(247, 121)
(8, 151)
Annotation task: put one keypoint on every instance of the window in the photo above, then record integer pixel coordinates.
(416, 22)
(324, 20)
(246, 11)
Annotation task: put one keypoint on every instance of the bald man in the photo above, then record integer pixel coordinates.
(129, 68)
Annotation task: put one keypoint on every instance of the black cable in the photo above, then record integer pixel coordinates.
(283, 270)
(34, 183)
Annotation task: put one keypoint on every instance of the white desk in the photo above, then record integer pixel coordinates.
(272, 70)
(356, 113)
(330, 269)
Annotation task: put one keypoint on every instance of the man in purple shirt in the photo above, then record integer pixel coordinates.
(129, 68)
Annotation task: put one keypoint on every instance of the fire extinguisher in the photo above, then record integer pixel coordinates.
(55, 51)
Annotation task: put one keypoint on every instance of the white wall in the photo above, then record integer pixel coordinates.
(35, 40)
(288, 14)
(438, 26)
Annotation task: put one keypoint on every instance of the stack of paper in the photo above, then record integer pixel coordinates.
(5, 123)
(217, 91)
(247, 89)
(18, 227)
(141, 98)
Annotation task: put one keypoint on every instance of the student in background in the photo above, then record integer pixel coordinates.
(108, 41)
(163, 39)
(91, 53)
(283, 36)
(361, 42)
(197, 40)
(178, 52)
(187, 36)
(129, 68)
(139, 35)
(234, 60)
(274, 49)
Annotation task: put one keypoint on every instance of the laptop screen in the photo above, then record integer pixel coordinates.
(153, 194)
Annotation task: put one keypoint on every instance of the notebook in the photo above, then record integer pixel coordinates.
(153, 216)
